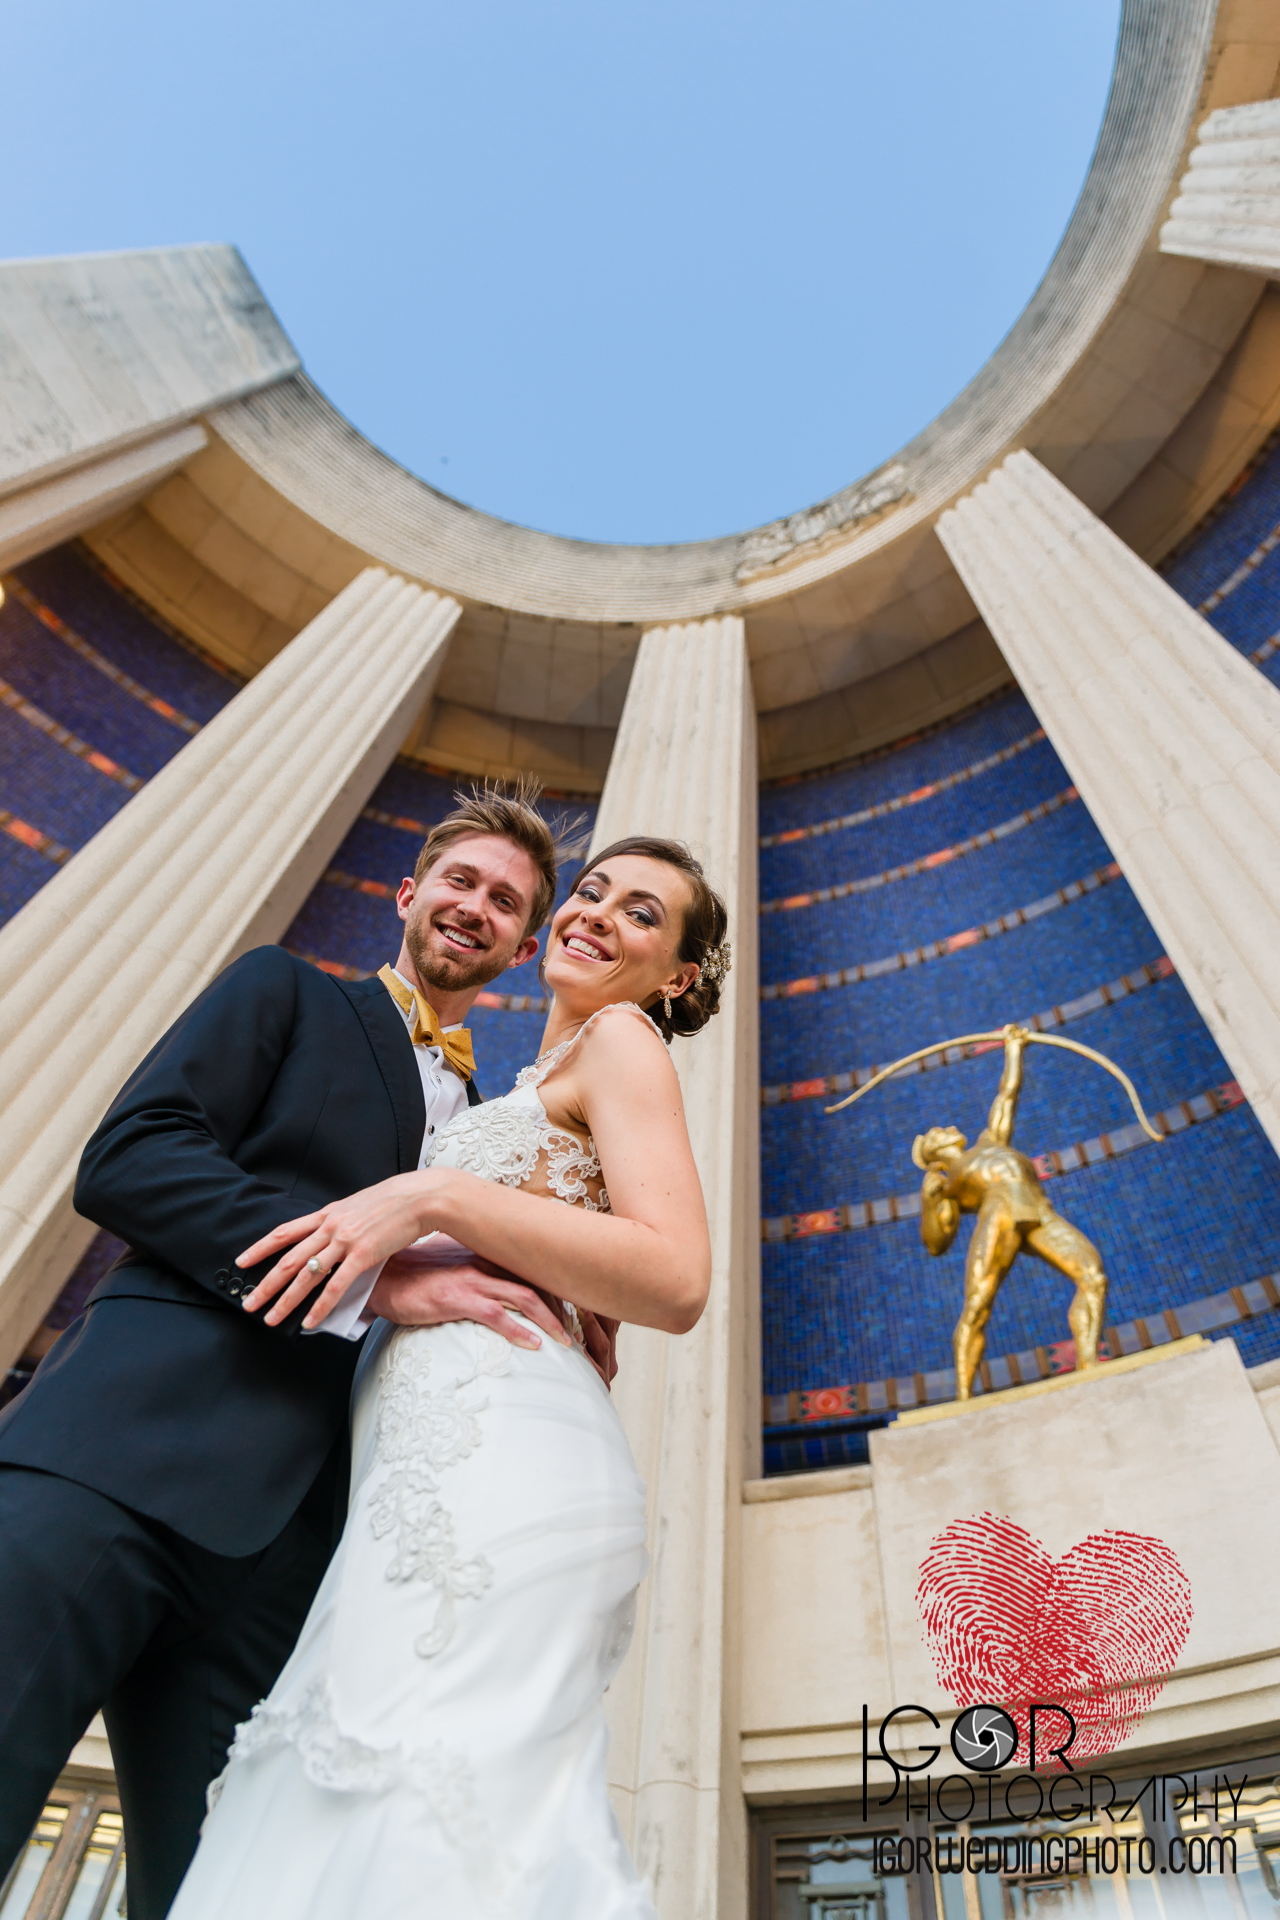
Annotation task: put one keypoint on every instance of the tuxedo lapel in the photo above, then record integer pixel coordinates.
(393, 1050)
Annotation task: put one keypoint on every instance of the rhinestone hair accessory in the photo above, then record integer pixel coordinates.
(717, 963)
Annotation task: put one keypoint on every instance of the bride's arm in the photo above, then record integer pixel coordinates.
(648, 1261)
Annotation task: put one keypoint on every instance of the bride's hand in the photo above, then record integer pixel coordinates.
(345, 1239)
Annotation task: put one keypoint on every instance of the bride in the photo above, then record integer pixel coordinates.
(436, 1743)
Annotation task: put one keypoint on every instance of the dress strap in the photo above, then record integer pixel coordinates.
(546, 1063)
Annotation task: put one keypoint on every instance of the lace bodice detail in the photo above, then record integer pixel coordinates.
(513, 1140)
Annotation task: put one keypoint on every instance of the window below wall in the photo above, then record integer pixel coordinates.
(72, 1867)
(1145, 1858)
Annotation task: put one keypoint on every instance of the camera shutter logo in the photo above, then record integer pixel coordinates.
(984, 1738)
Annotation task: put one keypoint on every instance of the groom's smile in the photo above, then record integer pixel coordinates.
(459, 937)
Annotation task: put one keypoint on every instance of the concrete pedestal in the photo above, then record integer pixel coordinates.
(1180, 1449)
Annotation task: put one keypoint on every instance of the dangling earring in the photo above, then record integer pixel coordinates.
(666, 1001)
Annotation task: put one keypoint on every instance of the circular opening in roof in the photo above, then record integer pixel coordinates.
(641, 274)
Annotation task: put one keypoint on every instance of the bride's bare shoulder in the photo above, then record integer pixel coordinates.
(623, 1036)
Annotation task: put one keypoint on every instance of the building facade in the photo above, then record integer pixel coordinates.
(993, 734)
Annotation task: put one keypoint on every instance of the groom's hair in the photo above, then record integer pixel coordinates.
(508, 813)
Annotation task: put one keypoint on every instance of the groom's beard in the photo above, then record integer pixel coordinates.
(452, 972)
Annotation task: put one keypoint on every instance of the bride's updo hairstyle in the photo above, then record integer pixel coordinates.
(702, 939)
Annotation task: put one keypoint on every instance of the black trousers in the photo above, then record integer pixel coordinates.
(101, 1608)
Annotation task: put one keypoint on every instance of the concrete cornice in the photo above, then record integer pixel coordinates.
(102, 351)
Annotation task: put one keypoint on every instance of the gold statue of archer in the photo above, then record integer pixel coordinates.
(1001, 1185)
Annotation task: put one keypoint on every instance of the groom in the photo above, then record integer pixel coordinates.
(172, 1481)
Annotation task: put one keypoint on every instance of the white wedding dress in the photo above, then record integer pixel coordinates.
(435, 1746)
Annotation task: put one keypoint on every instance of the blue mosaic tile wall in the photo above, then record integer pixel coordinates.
(944, 750)
(917, 830)
(907, 913)
(53, 797)
(1175, 1222)
(41, 782)
(46, 672)
(1228, 570)
(1039, 965)
(22, 874)
(119, 627)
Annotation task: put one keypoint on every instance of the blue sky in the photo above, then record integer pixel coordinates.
(625, 272)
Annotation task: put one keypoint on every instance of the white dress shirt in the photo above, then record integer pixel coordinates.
(444, 1093)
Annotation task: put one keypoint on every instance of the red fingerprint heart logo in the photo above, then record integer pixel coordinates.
(1097, 1631)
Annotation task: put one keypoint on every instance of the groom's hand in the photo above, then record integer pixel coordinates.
(414, 1296)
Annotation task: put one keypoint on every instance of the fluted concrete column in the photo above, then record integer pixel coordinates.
(1228, 204)
(684, 766)
(1171, 736)
(214, 856)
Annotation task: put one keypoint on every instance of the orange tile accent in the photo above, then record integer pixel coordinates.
(807, 1089)
(824, 1220)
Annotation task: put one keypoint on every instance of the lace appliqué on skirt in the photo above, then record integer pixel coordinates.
(441, 1777)
(421, 1432)
(329, 1757)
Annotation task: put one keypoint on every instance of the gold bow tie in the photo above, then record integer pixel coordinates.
(426, 1031)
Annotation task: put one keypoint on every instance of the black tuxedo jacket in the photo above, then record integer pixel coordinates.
(278, 1090)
